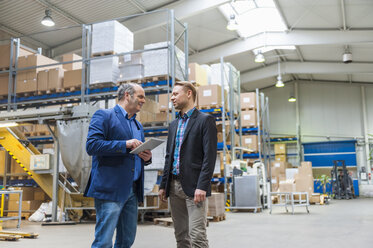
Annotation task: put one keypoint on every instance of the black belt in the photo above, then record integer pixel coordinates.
(175, 177)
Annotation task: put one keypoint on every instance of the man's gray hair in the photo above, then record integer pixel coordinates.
(127, 87)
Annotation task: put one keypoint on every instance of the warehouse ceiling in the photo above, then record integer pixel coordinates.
(320, 30)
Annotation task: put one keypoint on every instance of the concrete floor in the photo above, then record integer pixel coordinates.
(344, 223)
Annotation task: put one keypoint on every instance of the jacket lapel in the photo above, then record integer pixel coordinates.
(190, 124)
(173, 130)
(122, 119)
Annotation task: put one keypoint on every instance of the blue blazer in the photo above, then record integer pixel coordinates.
(113, 166)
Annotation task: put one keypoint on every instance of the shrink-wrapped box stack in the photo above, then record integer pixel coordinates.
(157, 63)
(104, 70)
(131, 67)
(111, 37)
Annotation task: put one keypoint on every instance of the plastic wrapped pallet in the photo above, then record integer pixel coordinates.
(104, 70)
(111, 37)
(208, 72)
(131, 67)
(156, 62)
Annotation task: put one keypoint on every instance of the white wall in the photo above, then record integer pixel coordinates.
(326, 109)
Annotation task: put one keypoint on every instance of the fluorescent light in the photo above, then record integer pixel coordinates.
(47, 20)
(279, 83)
(292, 99)
(9, 124)
(259, 58)
(232, 23)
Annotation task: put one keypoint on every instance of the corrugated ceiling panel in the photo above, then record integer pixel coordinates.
(96, 10)
(150, 5)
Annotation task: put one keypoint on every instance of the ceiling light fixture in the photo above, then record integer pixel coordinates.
(292, 99)
(47, 20)
(279, 83)
(259, 58)
(232, 23)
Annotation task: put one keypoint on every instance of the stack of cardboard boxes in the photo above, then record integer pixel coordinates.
(32, 198)
(27, 80)
(216, 206)
(288, 179)
(280, 152)
(5, 65)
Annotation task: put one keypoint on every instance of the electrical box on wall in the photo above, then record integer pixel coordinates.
(40, 162)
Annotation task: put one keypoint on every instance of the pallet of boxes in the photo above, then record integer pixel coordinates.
(249, 119)
(32, 198)
(286, 178)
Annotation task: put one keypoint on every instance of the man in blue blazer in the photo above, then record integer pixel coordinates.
(117, 177)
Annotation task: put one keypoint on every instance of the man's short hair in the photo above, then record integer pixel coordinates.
(123, 88)
(188, 86)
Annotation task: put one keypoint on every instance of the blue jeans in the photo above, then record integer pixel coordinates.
(119, 215)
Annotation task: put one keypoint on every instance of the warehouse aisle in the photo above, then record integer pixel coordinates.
(337, 225)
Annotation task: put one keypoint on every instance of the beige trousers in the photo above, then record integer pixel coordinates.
(189, 219)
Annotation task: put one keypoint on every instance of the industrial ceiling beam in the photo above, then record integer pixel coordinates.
(306, 68)
(296, 38)
(17, 34)
(183, 9)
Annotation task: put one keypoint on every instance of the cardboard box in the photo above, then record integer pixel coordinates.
(41, 196)
(248, 118)
(26, 205)
(2, 161)
(280, 158)
(275, 183)
(305, 168)
(42, 82)
(55, 78)
(291, 173)
(280, 148)
(27, 194)
(197, 74)
(279, 168)
(73, 78)
(216, 205)
(162, 117)
(304, 183)
(164, 102)
(71, 66)
(248, 100)
(5, 55)
(287, 187)
(150, 106)
(4, 84)
(250, 141)
(36, 60)
(209, 95)
(315, 198)
(25, 85)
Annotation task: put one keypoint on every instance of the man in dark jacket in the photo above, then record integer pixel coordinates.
(117, 177)
(189, 166)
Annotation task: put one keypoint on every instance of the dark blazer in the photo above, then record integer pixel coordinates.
(112, 165)
(197, 154)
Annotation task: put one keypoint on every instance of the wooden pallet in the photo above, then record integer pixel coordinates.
(4, 69)
(216, 218)
(27, 94)
(155, 78)
(163, 221)
(24, 215)
(102, 85)
(135, 81)
(71, 89)
(22, 234)
(47, 92)
(7, 237)
(212, 106)
(249, 126)
(247, 109)
(103, 53)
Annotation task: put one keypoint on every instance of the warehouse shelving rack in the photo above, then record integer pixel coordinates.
(87, 95)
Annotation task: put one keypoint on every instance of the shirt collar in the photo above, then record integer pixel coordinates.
(187, 115)
(126, 114)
